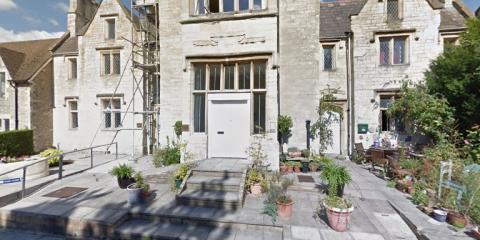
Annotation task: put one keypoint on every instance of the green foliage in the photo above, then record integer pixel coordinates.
(322, 160)
(306, 153)
(255, 151)
(472, 145)
(182, 171)
(337, 202)
(270, 209)
(53, 155)
(170, 154)
(410, 164)
(254, 176)
(140, 182)
(122, 171)
(336, 176)
(426, 114)
(391, 184)
(456, 76)
(327, 114)
(293, 149)
(285, 124)
(420, 196)
(178, 128)
(471, 198)
(16, 143)
(276, 190)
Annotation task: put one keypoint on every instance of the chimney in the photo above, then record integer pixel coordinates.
(72, 18)
(80, 13)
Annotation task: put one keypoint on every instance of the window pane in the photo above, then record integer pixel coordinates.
(392, 10)
(259, 113)
(73, 106)
(327, 57)
(107, 115)
(200, 8)
(228, 5)
(199, 113)
(384, 51)
(116, 63)
(200, 71)
(215, 77)
(399, 50)
(74, 119)
(385, 121)
(229, 76)
(213, 6)
(244, 76)
(243, 5)
(257, 4)
(259, 76)
(73, 69)
(7, 125)
(106, 63)
(3, 84)
(111, 28)
(386, 101)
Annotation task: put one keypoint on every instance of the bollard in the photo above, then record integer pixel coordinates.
(91, 157)
(24, 178)
(60, 167)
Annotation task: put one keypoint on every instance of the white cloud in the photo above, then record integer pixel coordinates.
(9, 35)
(53, 22)
(7, 5)
(62, 6)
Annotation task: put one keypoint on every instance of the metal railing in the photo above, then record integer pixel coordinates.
(60, 164)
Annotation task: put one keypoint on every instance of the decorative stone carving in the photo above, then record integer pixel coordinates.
(243, 39)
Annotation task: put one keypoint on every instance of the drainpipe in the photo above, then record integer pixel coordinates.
(351, 93)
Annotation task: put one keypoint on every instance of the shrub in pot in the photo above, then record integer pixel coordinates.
(124, 174)
(135, 189)
(254, 181)
(179, 175)
(54, 155)
(283, 167)
(297, 166)
(278, 202)
(293, 152)
(336, 177)
(290, 167)
(313, 166)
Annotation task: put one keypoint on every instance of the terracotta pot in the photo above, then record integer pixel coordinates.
(294, 154)
(338, 219)
(410, 190)
(296, 169)
(283, 168)
(313, 168)
(456, 219)
(285, 210)
(289, 169)
(256, 189)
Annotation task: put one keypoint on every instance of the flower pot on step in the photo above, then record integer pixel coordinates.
(178, 183)
(283, 168)
(338, 219)
(256, 189)
(124, 182)
(290, 169)
(457, 219)
(296, 169)
(313, 167)
(134, 194)
(285, 210)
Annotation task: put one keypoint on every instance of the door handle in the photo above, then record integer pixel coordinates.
(220, 132)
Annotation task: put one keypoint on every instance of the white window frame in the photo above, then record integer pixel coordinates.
(252, 90)
(251, 7)
(70, 114)
(391, 38)
(70, 62)
(3, 85)
(334, 56)
(392, 124)
(112, 112)
(106, 28)
(111, 56)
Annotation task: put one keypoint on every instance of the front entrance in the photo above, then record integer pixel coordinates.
(228, 125)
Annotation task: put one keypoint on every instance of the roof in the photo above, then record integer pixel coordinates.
(24, 59)
(435, 4)
(69, 46)
(335, 17)
(451, 19)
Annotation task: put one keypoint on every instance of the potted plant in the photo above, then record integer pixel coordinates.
(283, 167)
(285, 123)
(338, 209)
(180, 175)
(305, 153)
(135, 189)
(278, 202)
(124, 174)
(293, 152)
(254, 181)
(297, 166)
(440, 215)
(290, 166)
(313, 166)
(336, 177)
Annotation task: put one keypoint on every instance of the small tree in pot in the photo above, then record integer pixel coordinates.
(135, 189)
(285, 124)
(254, 181)
(124, 174)
(338, 209)
(278, 202)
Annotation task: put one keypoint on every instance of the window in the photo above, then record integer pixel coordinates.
(110, 28)
(214, 6)
(111, 64)
(3, 84)
(228, 5)
(6, 125)
(243, 5)
(257, 4)
(393, 10)
(386, 122)
(234, 77)
(393, 50)
(111, 113)
(202, 7)
(450, 42)
(72, 72)
(73, 113)
(328, 57)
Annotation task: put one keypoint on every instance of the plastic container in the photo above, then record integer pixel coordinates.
(440, 215)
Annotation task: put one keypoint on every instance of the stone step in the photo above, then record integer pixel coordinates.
(206, 172)
(215, 183)
(209, 198)
(144, 229)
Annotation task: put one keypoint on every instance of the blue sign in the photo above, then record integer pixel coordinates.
(10, 180)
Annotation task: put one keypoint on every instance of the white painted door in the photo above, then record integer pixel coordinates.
(228, 125)
(336, 136)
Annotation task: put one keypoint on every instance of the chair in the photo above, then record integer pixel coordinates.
(396, 170)
(378, 159)
(361, 153)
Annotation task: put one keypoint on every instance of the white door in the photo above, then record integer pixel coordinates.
(228, 125)
(336, 136)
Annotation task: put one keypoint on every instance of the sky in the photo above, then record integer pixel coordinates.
(37, 19)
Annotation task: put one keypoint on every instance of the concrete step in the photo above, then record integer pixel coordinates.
(206, 172)
(215, 183)
(144, 229)
(209, 198)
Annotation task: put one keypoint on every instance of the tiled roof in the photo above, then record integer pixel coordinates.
(335, 17)
(24, 59)
(451, 19)
(436, 4)
(69, 46)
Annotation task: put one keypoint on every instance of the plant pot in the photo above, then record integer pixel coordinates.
(283, 169)
(290, 169)
(457, 219)
(146, 194)
(256, 189)
(313, 168)
(285, 210)
(178, 183)
(410, 190)
(440, 215)
(305, 167)
(124, 182)
(134, 194)
(476, 234)
(296, 169)
(294, 154)
(338, 219)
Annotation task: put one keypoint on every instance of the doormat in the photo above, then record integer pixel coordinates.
(305, 178)
(65, 192)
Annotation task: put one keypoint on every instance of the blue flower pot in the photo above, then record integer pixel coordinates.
(178, 183)
(134, 194)
(440, 215)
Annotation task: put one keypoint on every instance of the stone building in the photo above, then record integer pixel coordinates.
(229, 68)
(26, 88)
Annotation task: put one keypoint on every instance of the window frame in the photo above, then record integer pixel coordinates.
(3, 86)
(391, 52)
(206, 91)
(333, 56)
(392, 122)
(72, 60)
(112, 112)
(400, 11)
(107, 28)
(70, 114)
(221, 9)
(112, 63)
